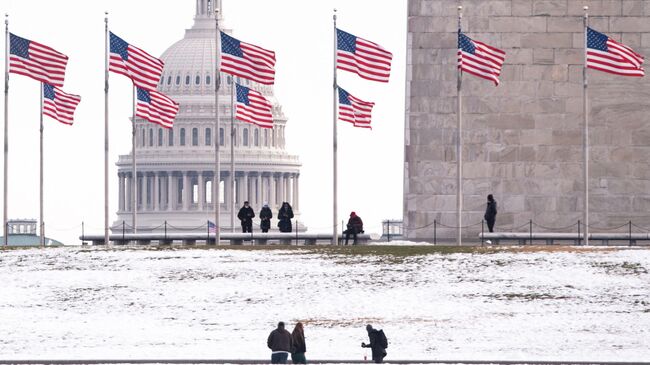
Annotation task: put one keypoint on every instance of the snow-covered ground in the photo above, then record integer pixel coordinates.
(139, 303)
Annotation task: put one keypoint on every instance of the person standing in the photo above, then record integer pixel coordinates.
(490, 212)
(354, 227)
(246, 216)
(285, 214)
(378, 344)
(280, 342)
(299, 347)
(265, 218)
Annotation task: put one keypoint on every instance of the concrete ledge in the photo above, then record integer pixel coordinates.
(297, 238)
(551, 237)
(249, 361)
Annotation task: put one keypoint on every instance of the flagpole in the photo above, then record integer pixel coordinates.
(106, 240)
(232, 156)
(459, 147)
(586, 131)
(216, 181)
(334, 145)
(42, 238)
(134, 172)
(6, 150)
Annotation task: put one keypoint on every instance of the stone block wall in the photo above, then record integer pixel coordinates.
(523, 139)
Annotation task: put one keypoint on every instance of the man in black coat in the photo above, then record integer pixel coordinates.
(280, 342)
(378, 344)
(490, 213)
(265, 218)
(246, 216)
(354, 227)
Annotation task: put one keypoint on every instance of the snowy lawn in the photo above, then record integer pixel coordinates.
(490, 304)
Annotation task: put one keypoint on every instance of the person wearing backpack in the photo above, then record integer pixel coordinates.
(378, 344)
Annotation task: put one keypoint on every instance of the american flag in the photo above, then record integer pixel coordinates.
(479, 59)
(59, 105)
(156, 107)
(605, 54)
(246, 60)
(37, 61)
(212, 228)
(252, 107)
(354, 110)
(134, 63)
(364, 58)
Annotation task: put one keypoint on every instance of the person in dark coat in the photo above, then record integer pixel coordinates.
(285, 214)
(354, 227)
(490, 212)
(265, 218)
(299, 347)
(280, 342)
(378, 344)
(246, 216)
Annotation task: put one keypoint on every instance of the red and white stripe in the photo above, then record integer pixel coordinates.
(258, 64)
(620, 60)
(144, 69)
(63, 106)
(44, 64)
(258, 112)
(370, 61)
(485, 63)
(161, 110)
(359, 113)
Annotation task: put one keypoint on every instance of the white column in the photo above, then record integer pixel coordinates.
(154, 191)
(272, 202)
(121, 190)
(246, 196)
(258, 191)
(129, 193)
(287, 188)
(227, 190)
(296, 195)
(201, 182)
(186, 191)
(170, 190)
(282, 187)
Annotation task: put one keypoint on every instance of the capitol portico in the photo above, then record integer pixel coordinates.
(175, 167)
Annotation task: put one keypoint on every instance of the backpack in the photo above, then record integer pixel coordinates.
(381, 338)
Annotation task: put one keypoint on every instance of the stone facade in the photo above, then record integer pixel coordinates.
(523, 139)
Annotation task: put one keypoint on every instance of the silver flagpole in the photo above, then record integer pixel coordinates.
(42, 240)
(335, 229)
(6, 154)
(459, 148)
(106, 240)
(216, 181)
(586, 131)
(134, 171)
(232, 155)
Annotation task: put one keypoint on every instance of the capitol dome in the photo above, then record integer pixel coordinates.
(175, 167)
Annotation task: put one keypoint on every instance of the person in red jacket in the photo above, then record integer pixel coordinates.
(355, 226)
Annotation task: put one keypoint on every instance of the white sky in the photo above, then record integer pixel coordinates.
(299, 31)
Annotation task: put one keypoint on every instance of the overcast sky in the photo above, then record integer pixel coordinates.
(299, 31)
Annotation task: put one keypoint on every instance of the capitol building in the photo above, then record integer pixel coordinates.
(175, 167)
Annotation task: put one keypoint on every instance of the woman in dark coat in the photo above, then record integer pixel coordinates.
(265, 218)
(299, 347)
(284, 217)
(490, 212)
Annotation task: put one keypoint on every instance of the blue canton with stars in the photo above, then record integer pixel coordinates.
(48, 91)
(465, 43)
(345, 41)
(231, 45)
(597, 40)
(18, 46)
(143, 95)
(119, 46)
(242, 94)
(344, 97)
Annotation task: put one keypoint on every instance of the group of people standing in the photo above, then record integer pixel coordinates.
(282, 343)
(246, 215)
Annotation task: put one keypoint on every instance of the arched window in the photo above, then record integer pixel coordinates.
(245, 137)
(182, 142)
(150, 137)
(256, 137)
(229, 80)
(178, 80)
(171, 137)
(208, 136)
(160, 137)
(207, 80)
(187, 80)
(198, 79)
(143, 137)
(169, 80)
(273, 138)
(221, 137)
(266, 138)
(195, 136)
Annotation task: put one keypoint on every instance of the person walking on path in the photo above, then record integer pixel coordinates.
(299, 347)
(246, 216)
(285, 215)
(355, 226)
(265, 218)
(378, 344)
(490, 212)
(280, 342)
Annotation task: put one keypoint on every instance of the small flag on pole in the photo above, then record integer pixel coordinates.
(479, 59)
(212, 228)
(364, 58)
(37, 61)
(134, 63)
(156, 107)
(354, 110)
(252, 107)
(607, 55)
(59, 105)
(246, 60)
